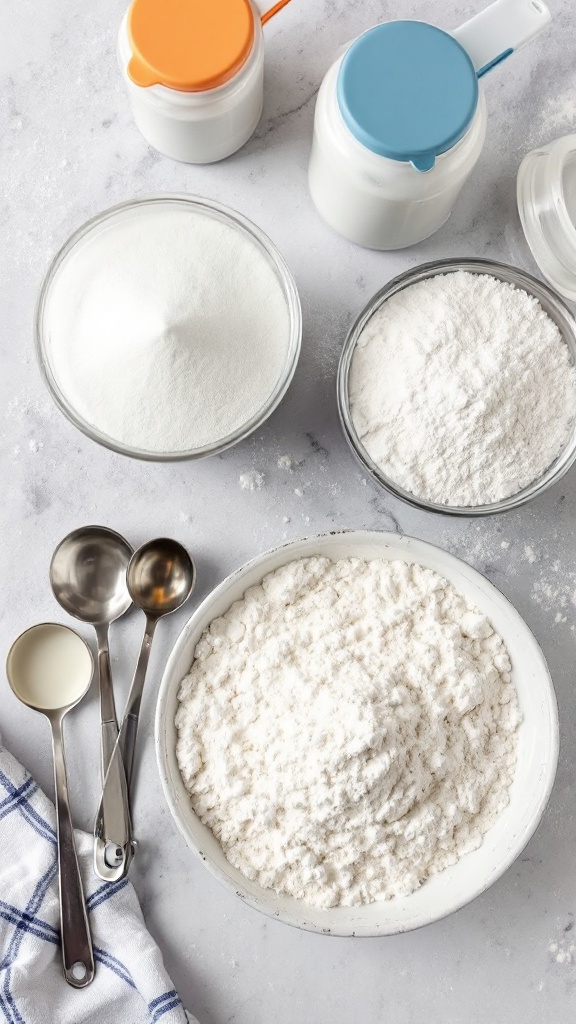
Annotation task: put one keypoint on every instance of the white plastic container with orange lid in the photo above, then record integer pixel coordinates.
(400, 122)
(194, 70)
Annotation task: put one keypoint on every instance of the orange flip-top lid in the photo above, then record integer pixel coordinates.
(189, 45)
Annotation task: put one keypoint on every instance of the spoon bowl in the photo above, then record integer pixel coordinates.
(161, 576)
(88, 574)
(49, 668)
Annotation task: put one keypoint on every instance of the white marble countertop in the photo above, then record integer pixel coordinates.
(70, 149)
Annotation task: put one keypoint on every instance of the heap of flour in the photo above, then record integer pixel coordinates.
(462, 390)
(168, 330)
(347, 729)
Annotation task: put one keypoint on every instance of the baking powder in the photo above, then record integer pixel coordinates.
(348, 729)
(462, 390)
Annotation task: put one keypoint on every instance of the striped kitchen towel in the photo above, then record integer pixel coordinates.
(131, 985)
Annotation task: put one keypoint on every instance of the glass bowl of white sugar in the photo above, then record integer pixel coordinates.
(168, 328)
(457, 387)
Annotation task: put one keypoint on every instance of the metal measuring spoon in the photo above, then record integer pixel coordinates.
(50, 668)
(88, 577)
(161, 576)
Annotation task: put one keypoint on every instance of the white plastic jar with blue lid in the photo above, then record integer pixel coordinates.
(400, 122)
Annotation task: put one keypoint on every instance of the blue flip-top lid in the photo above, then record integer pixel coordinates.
(407, 91)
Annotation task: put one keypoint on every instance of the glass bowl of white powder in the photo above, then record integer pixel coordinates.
(168, 328)
(306, 749)
(457, 387)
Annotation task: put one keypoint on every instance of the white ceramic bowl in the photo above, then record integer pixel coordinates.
(537, 750)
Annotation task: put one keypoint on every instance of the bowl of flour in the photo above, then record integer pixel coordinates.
(457, 387)
(357, 733)
(168, 328)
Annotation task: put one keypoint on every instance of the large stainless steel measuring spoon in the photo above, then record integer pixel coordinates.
(88, 577)
(50, 668)
(161, 576)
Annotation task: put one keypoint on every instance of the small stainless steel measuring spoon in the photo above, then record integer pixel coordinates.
(50, 668)
(161, 576)
(88, 577)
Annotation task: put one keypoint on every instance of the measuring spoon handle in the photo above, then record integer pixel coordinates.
(108, 721)
(111, 816)
(129, 726)
(113, 829)
(75, 932)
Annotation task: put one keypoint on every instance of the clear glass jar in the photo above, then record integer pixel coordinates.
(546, 193)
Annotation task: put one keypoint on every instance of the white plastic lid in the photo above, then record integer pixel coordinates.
(546, 194)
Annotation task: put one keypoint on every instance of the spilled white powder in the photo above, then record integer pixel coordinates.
(462, 390)
(168, 330)
(348, 729)
(287, 462)
(253, 480)
(560, 111)
(563, 952)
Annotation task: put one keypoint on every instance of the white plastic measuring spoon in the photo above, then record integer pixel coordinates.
(50, 668)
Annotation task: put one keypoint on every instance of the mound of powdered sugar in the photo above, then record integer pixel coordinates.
(347, 729)
(462, 390)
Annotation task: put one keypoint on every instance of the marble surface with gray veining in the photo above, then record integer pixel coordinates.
(68, 150)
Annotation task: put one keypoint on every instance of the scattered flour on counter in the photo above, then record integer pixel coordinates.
(348, 729)
(560, 112)
(253, 480)
(550, 580)
(461, 389)
(298, 492)
(563, 952)
(287, 462)
(529, 554)
(551, 120)
(35, 446)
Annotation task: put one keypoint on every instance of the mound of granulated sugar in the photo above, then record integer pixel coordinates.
(168, 330)
(348, 729)
(462, 390)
